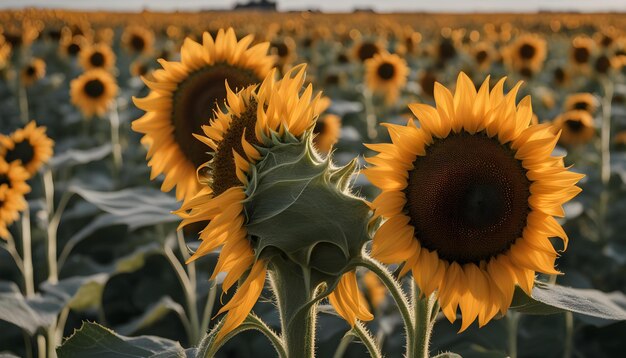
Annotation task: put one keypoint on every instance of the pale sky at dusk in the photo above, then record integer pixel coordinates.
(335, 5)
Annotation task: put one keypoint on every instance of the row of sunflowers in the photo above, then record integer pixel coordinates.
(242, 184)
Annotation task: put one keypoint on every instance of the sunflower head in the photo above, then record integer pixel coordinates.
(576, 127)
(34, 70)
(469, 198)
(184, 96)
(266, 185)
(29, 146)
(582, 49)
(387, 74)
(93, 91)
(365, 50)
(581, 101)
(138, 39)
(97, 56)
(327, 131)
(527, 54)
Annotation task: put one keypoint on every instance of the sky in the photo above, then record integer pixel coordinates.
(335, 5)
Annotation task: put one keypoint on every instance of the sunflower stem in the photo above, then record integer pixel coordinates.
(366, 338)
(208, 307)
(370, 114)
(114, 119)
(297, 315)
(27, 254)
(48, 188)
(512, 325)
(343, 345)
(398, 295)
(605, 134)
(569, 334)
(41, 346)
(423, 311)
(22, 98)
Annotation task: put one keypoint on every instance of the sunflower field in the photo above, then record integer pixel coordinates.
(298, 185)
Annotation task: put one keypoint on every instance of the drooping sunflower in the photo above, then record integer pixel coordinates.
(97, 56)
(576, 127)
(33, 71)
(581, 101)
(386, 74)
(93, 91)
(469, 198)
(13, 187)
(30, 146)
(327, 130)
(527, 54)
(183, 97)
(253, 119)
(138, 39)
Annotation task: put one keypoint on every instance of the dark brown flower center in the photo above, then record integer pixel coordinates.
(606, 41)
(222, 167)
(447, 50)
(23, 151)
(73, 49)
(603, 64)
(137, 43)
(97, 59)
(428, 83)
(574, 125)
(320, 126)
(367, 50)
(195, 100)
(583, 106)
(281, 49)
(30, 71)
(94, 88)
(581, 55)
(481, 57)
(467, 198)
(527, 51)
(386, 71)
(4, 180)
(342, 58)
(559, 75)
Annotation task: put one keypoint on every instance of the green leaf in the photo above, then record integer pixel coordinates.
(153, 314)
(82, 292)
(550, 299)
(93, 340)
(29, 314)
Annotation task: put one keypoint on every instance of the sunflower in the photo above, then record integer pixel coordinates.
(97, 56)
(13, 187)
(560, 76)
(576, 127)
(70, 46)
(604, 64)
(138, 39)
(427, 82)
(33, 71)
(29, 145)
(327, 130)
(527, 54)
(184, 95)
(139, 68)
(469, 198)
(582, 49)
(284, 51)
(365, 50)
(483, 54)
(93, 91)
(253, 119)
(581, 101)
(386, 73)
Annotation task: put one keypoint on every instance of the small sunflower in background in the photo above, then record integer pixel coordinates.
(375, 291)
(427, 80)
(70, 46)
(284, 50)
(604, 64)
(483, 54)
(29, 146)
(327, 131)
(469, 198)
(560, 76)
(527, 54)
(97, 56)
(581, 52)
(386, 74)
(138, 40)
(139, 68)
(366, 49)
(13, 187)
(581, 101)
(183, 97)
(576, 127)
(444, 51)
(253, 122)
(33, 71)
(93, 92)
